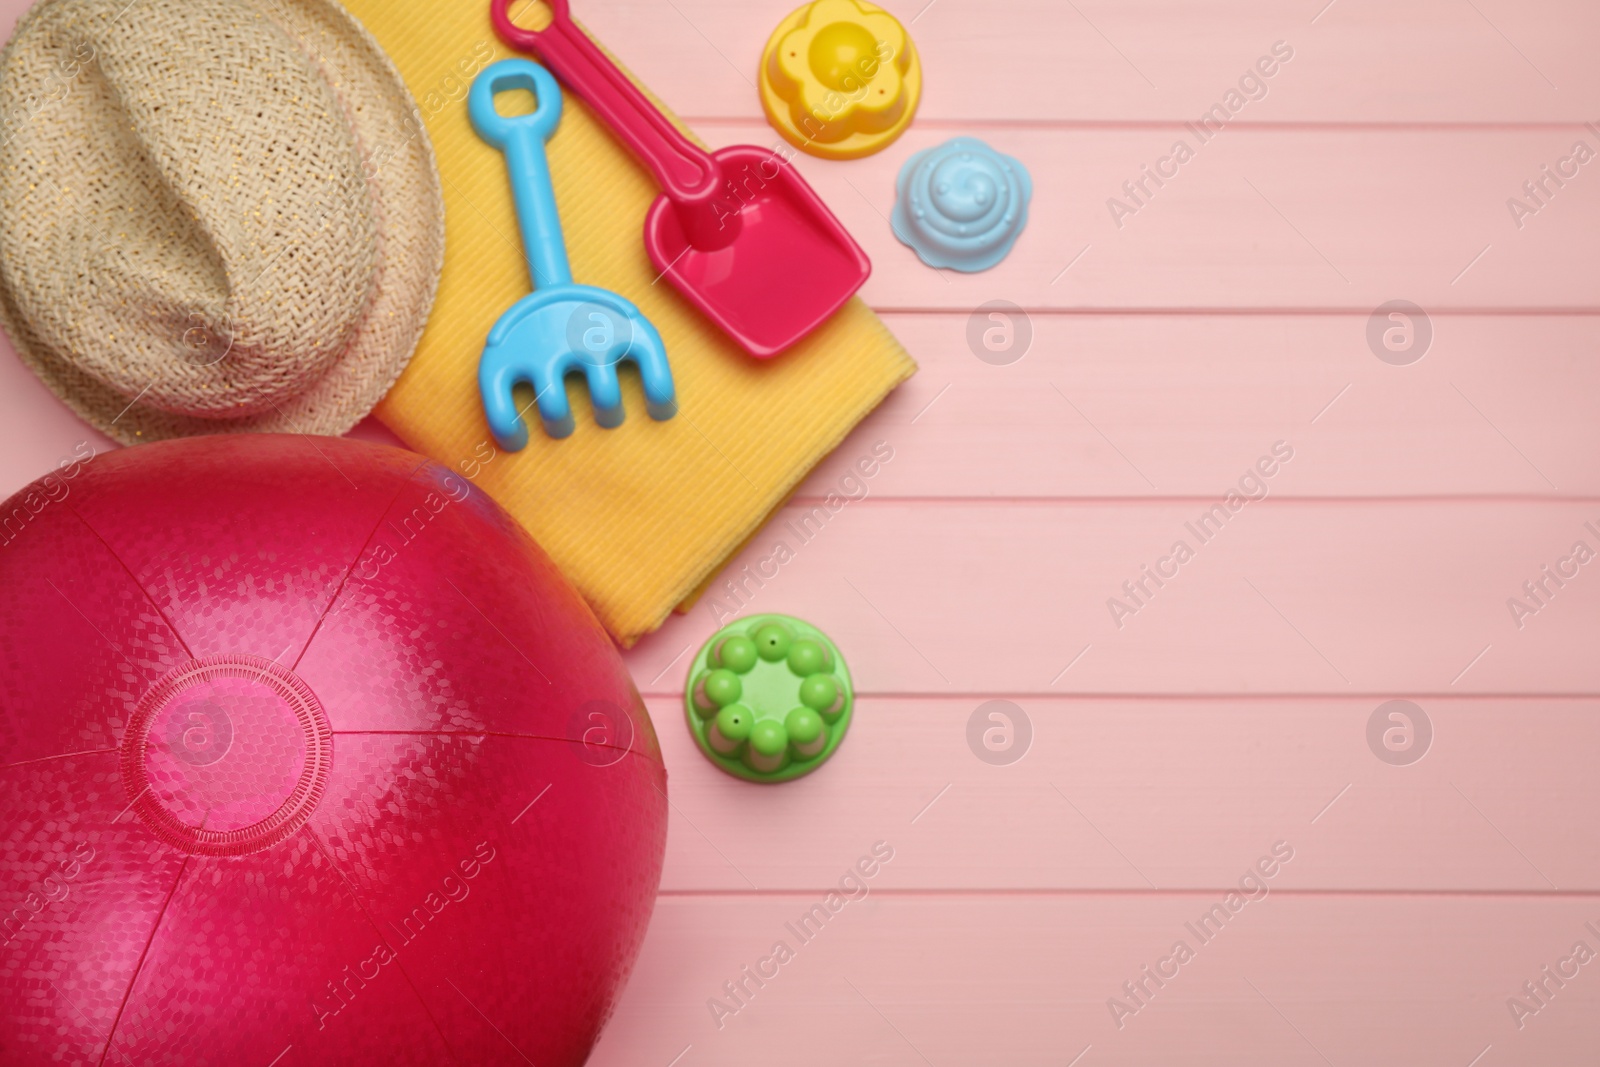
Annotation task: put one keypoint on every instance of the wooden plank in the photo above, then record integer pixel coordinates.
(1185, 399)
(1259, 218)
(1378, 597)
(1037, 60)
(1134, 794)
(1174, 405)
(1098, 404)
(1033, 60)
(1291, 980)
(37, 431)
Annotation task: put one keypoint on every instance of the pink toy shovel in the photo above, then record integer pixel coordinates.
(738, 231)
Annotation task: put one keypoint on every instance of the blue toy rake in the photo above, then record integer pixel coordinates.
(561, 327)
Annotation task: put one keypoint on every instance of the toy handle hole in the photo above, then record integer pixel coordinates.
(514, 101)
(527, 20)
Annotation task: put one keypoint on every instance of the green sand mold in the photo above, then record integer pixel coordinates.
(768, 698)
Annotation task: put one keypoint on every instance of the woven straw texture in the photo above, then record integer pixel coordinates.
(638, 517)
(215, 215)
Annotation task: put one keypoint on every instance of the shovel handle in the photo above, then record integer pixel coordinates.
(686, 173)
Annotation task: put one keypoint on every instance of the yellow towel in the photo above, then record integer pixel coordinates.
(639, 517)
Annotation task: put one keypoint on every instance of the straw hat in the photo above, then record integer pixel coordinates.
(215, 215)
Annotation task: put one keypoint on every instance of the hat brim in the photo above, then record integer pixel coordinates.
(403, 184)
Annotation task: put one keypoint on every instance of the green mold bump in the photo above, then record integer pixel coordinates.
(768, 698)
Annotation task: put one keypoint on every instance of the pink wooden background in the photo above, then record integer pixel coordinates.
(1229, 714)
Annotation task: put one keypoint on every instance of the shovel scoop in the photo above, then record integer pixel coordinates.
(561, 327)
(737, 231)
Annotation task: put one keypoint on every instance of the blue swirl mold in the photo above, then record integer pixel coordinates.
(961, 204)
